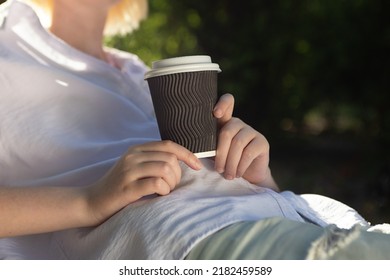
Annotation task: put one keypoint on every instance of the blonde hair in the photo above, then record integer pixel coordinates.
(124, 17)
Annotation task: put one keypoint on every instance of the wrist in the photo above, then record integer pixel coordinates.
(87, 206)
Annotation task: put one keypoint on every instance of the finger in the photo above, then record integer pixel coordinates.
(148, 186)
(163, 161)
(179, 151)
(250, 153)
(159, 169)
(237, 148)
(223, 110)
(225, 138)
(221, 155)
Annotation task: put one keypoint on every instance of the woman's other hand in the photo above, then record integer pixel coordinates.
(241, 151)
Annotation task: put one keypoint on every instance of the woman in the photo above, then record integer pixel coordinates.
(75, 113)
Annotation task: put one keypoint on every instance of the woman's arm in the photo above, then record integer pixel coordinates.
(151, 168)
(30, 210)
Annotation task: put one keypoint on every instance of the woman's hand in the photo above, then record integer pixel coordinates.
(241, 150)
(151, 168)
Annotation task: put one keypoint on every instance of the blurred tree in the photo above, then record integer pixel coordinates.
(165, 33)
(285, 58)
(292, 65)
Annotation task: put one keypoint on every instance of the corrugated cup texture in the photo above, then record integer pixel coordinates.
(184, 103)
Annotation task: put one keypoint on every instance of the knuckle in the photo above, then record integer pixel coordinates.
(131, 150)
(236, 120)
(225, 133)
(261, 143)
(248, 155)
(171, 159)
(155, 182)
(238, 142)
(160, 186)
(129, 156)
(167, 144)
(165, 168)
(265, 143)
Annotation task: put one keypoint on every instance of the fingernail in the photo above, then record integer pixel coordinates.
(198, 164)
(220, 170)
(218, 113)
(229, 177)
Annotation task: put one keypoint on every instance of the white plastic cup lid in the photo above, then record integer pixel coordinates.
(182, 64)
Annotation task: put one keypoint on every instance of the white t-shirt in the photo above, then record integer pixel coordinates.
(66, 117)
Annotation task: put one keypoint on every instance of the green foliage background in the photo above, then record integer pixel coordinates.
(312, 75)
(288, 63)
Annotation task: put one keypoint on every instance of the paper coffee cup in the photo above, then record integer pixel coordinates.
(184, 93)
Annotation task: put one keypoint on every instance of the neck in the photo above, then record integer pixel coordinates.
(80, 25)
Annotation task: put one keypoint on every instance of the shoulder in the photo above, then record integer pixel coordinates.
(125, 56)
(129, 62)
